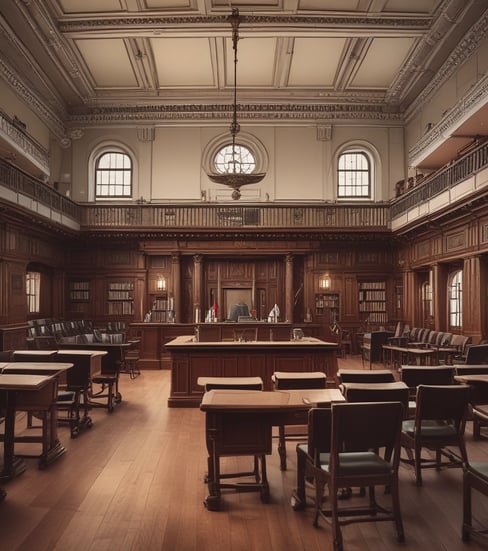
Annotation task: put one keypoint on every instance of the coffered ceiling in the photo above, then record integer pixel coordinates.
(170, 61)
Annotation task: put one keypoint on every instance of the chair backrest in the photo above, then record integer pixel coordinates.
(378, 393)
(299, 380)
(365, 376)
(365, 426)
(477, 354)
(224, 383)
(319, 431)
(413, 376)
(443, 403)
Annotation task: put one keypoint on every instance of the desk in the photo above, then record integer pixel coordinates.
(191, 360)
(20, 389)
(396, 356)
(239, 423)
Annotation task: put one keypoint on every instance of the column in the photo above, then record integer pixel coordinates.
(289, 259)
(197, 288)
(176, 285)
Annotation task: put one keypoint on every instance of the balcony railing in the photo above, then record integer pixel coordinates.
(21, 183)
(13, 131)
(458, 171)
(203, 217)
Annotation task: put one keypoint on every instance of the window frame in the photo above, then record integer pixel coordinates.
(113, 172)
(33, 291)
(455, 303)
(360, 151)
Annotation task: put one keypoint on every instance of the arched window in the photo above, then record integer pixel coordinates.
(455, 290)
(354, 175)
(113, 175)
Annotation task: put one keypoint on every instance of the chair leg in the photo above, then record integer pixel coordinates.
(336, 528)
(395, 498)
(467, 523)
(418, 466)
(282, 447)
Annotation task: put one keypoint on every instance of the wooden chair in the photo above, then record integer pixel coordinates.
(378, 392)
(475, 476)
(439, 424)
(359, 430)
(363, 376)
(415, 375)
(315, 452)
(283, 380)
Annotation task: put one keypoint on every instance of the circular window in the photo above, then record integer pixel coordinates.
(236, 159)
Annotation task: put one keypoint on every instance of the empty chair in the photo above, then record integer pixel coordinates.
(283, 380)
(359, 431)
(477, 354)
(378, 392)
(439, 424)
(231, 383)
(475, 476)
(413, 376)
(363, 376)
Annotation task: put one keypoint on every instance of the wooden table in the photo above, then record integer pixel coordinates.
(396, 356)
(20, 387)
(191, 360)
(239, 423)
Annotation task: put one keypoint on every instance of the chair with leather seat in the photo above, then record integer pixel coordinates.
(439, 425)
(285, 380)
(475, 476)
(360, 431)
(415, 375)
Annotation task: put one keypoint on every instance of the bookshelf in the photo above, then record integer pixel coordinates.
(79, 295)
(120, 298)
(328, 305)
(372, 302)
(162, 309)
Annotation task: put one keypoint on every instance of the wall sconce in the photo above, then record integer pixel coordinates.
(325, 282)
(161, 283)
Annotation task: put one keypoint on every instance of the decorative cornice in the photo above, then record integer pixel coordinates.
(217, 112)
(150, 22)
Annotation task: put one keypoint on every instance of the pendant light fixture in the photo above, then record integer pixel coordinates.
(235, 177)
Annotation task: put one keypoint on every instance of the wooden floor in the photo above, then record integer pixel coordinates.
(134, 481)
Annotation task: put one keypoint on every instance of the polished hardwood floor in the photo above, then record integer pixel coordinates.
(134, 481)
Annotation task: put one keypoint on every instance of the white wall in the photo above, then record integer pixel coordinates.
(301, 166)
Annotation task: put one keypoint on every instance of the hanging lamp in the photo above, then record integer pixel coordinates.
(235, 177)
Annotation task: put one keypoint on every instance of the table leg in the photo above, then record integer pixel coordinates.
(12, 466)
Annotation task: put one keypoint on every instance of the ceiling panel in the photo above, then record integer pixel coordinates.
(411, 6)
(382, 62)
(90, 6)
(255, 62)
(315, 61)
(108, 62)
(183, 62)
